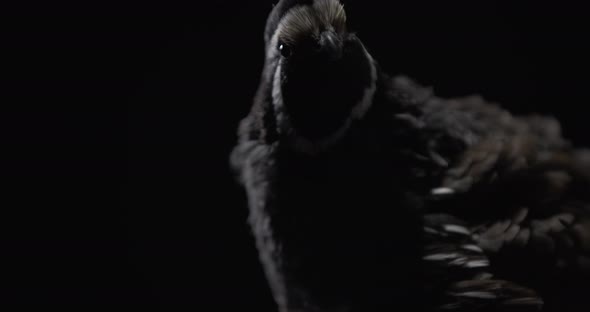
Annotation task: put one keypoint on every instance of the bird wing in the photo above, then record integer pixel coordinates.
(527, 193)
(534, 224)
(457, 272)
(549, 216)
(522, 188)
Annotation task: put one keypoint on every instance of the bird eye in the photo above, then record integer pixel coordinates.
(284, 49)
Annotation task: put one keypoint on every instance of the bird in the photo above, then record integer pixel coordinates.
(367, 192)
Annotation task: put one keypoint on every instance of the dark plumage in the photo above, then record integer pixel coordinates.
(364, 189)
(458, 276)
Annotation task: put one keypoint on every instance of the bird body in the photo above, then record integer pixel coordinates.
(348, 172)
(323, 222)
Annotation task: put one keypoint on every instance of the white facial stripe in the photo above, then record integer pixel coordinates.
(283, 122)
(359, 111)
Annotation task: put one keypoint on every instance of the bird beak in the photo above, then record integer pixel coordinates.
(330, 45)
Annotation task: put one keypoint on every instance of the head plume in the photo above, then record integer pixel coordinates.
(296, 17)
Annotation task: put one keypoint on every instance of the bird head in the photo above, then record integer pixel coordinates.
(322, 77)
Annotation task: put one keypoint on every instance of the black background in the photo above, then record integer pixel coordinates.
(117, 119)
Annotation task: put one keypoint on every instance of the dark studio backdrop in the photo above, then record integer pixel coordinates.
(118, 119)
